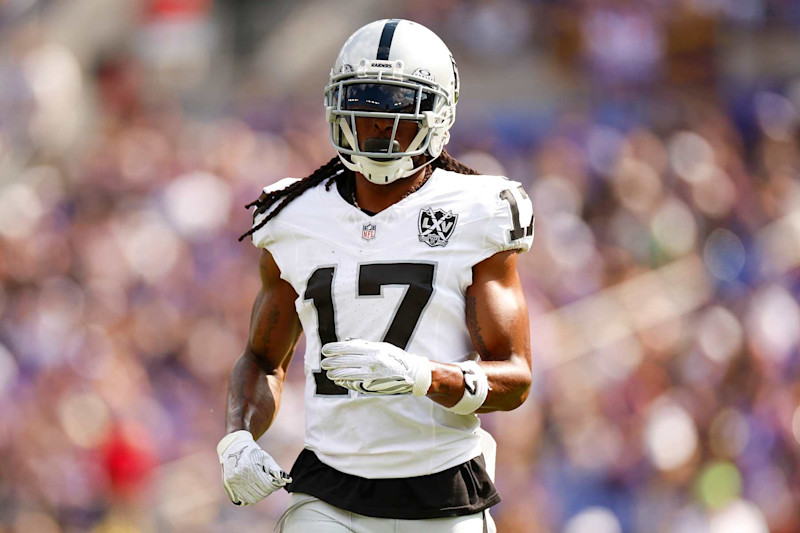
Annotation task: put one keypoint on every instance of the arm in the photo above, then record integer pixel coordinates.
(497, 317)
(250, 474)
(253, 401)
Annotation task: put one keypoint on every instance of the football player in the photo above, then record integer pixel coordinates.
(400, 265)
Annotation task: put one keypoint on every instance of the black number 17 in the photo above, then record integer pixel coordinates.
(371, 279)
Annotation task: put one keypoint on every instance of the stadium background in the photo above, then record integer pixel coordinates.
(658, 140)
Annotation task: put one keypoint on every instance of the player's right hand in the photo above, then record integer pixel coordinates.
(249, 474)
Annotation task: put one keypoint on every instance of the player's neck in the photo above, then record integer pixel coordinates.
(375, 198)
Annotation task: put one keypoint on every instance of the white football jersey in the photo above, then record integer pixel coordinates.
(399, 276)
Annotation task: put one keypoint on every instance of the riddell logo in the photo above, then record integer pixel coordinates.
(381, 65)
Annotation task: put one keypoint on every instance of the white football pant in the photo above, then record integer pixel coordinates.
(307, 514)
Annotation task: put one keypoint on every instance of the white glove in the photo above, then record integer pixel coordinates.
(249, 474)
(376, 367)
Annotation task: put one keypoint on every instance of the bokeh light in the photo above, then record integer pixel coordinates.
(724, 254)
(688, 152)
(198, 203)
(637, 186)
(670, 436)
(774, 322)
(85, 419)
(776, 115)
(20, 210)
(713, 192)
(719, 483)
(593, 520)
(720, 334)
(739, 516)
(674, 228)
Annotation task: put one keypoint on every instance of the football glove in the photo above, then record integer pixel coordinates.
(376, 367)
(249, 474)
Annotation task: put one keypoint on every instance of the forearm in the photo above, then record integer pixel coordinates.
(509, 384)
(253, 396)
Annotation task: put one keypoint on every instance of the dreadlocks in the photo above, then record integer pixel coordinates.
(329, 171)
(447, 162)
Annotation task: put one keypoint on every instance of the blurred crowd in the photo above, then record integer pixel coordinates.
(662, 284)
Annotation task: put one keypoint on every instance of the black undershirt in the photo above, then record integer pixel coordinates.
(346, 184)
(461, 490)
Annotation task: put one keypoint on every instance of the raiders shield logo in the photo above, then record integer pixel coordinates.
(436, 226)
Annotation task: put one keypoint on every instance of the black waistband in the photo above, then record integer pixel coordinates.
(460, 490)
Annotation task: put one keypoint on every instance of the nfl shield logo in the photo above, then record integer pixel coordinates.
(368, 232)
(436, 226)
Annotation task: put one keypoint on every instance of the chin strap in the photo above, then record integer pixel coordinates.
(382, 172)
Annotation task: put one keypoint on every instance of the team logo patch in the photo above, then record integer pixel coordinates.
(436, 226)
(368, 232)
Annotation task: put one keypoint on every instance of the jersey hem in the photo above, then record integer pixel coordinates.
(392, 513)
(460, 490)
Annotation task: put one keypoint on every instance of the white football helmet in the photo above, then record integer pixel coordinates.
(395, 69)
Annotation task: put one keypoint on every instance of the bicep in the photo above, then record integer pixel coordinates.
(497, 314)
(274, 325)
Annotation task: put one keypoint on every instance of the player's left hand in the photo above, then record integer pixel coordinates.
(376, 367)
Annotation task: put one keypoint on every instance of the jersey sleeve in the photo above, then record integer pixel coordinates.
(262, 237)
(510, 226)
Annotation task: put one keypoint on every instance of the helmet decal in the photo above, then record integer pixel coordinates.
(455, 74)
(386, 39)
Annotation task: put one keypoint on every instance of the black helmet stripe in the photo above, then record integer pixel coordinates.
(386, 39)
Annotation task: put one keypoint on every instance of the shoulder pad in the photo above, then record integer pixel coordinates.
(260, 237)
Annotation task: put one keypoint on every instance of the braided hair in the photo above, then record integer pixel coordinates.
(329, 171)
(447, 162)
